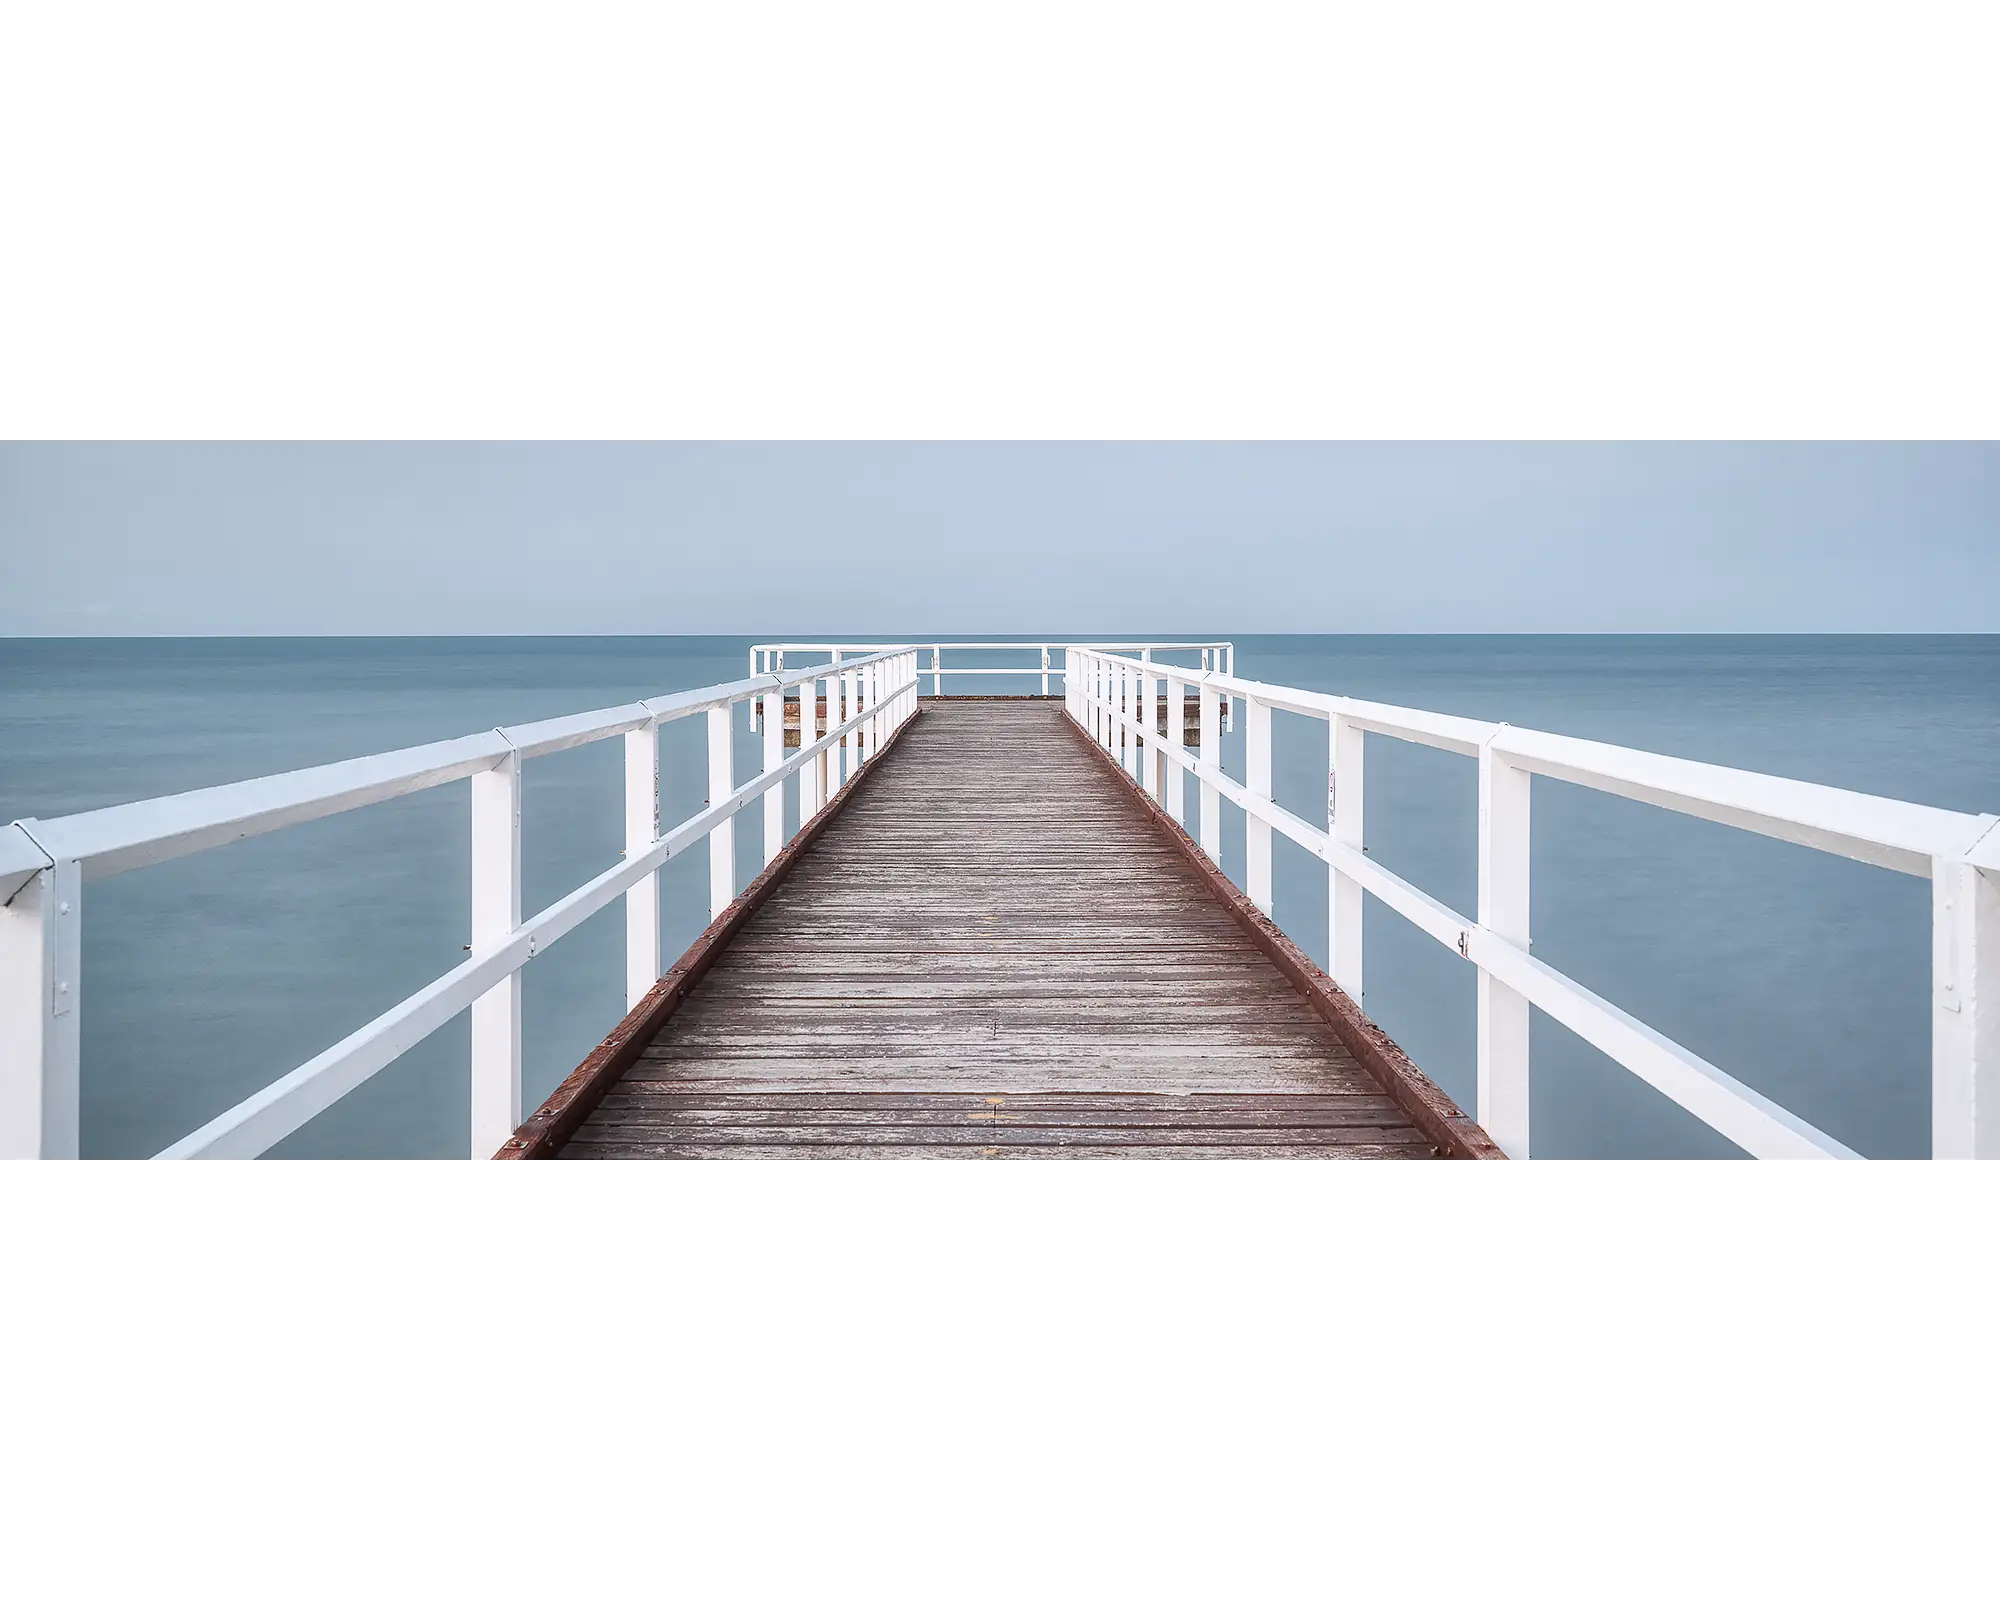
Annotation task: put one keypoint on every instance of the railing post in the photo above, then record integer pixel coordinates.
(1145, 743)
(1504, 791)
(642, 827)
(834, 680)
(1135, 687)
(829, 761)
(41, 945)
(1045, 672)
(722, 840)
(1176, 740)
(864, 703)
(1116, 697)
(875, 682)
(1128, 741)
(836, 700)
(1107, 709)
(1210, 798)
(937, 669)
(1150, 776)
(1114, 737)
(1256, 831)
(1965, 1001)
(496, 913)
(774, 757)
(829, 758)
(1345, 790)
(812, 771)
(850, 693)
(1107, 689)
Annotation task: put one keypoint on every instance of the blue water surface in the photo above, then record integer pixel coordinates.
(1803, 974)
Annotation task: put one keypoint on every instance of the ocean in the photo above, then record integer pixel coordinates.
(1804, 975)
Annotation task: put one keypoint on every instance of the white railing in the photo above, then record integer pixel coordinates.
(1213, 656)
(1112, 698)
(45, 864)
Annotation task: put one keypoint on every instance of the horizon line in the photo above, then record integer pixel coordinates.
(944, 636)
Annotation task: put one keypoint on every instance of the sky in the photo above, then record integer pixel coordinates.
(802, 539)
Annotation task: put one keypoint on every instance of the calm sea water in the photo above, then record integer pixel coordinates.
(1804, 975)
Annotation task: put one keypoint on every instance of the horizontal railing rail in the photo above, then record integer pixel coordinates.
(44, 865)
(1112, 697)
(1215, 655)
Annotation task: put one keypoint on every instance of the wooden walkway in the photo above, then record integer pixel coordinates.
(997, 948)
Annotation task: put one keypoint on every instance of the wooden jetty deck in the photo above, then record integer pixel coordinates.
(993, 944)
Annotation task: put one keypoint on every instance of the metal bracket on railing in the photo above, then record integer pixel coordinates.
(65, 883)
(28, 877)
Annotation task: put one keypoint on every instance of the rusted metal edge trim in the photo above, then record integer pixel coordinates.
(559, 1116)
(1429, 1107)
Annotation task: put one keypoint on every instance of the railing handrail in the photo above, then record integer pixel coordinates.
(43, 865)
(1001, 644)
(1903, 835)
(142, 832)
(1112, 699)
(1052, 665)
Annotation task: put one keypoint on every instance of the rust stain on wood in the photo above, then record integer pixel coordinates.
(544, 1133)
(1429, 1106)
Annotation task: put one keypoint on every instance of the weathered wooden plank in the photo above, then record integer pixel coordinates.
(664, 1151)
(615, 1117)
(674, 1096)
(762, 1075)
(596, 1132)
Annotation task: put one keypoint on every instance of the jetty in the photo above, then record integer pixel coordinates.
(995, 926)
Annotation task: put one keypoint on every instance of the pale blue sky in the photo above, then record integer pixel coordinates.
(858, 538)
